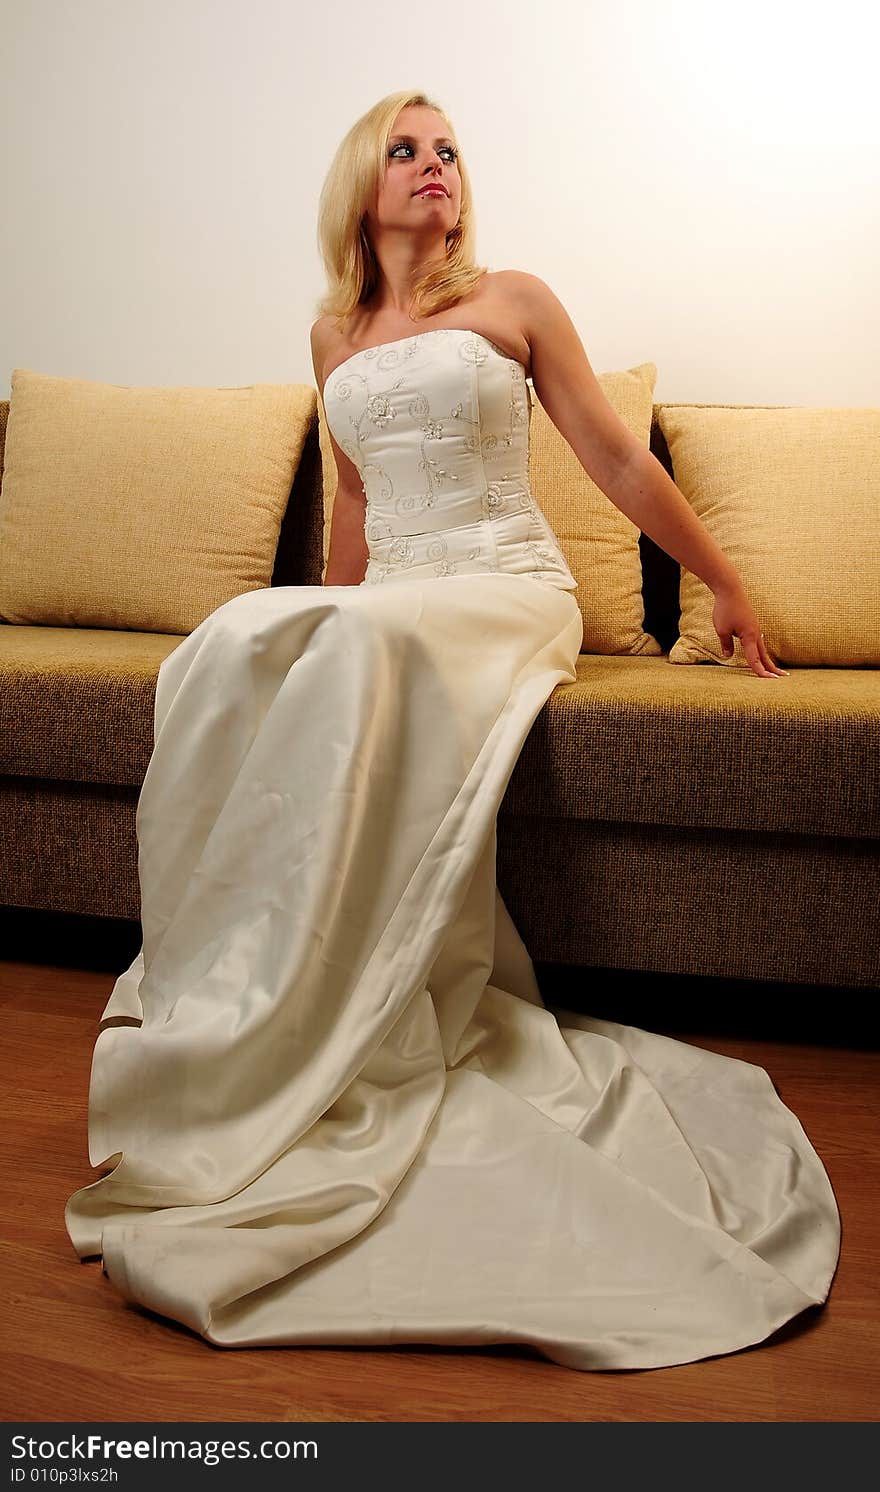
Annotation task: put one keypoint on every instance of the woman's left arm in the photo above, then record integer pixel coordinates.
(626, 471)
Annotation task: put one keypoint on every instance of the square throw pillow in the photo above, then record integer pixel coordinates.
(600, 544)
(792, 496)
(142, 508)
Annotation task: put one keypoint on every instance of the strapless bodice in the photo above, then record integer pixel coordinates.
(437, 425)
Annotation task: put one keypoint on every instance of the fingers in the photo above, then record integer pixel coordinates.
(756, 651)
(760, 660)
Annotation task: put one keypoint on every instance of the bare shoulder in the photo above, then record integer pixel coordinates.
(320, 337)
(320, 330)
(507, 289)
(530, 303)
(545, 323)
(510, 278)
(532, 296)
(566, 384)
(501, 300)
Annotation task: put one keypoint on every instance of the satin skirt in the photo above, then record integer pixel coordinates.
(334, 1106)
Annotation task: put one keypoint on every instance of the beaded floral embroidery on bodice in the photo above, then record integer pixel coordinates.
(437, 425)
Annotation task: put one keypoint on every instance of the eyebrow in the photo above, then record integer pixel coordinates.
(411, 140)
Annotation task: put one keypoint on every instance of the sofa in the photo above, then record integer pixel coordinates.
(663, 817)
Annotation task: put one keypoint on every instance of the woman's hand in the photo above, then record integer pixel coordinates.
(733, 616)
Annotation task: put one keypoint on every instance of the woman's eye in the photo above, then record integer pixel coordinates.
(449, 150)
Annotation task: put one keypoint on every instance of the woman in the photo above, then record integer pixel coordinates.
(338, 1108)
(420, 227)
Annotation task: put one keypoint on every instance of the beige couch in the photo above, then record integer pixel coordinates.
(681, 819)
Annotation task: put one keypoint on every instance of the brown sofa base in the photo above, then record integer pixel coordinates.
(69, 847)
(792, 909)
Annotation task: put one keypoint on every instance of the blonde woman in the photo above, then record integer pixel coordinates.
(335, 1106)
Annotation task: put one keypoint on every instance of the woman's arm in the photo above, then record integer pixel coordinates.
(626, 471)
(347, 555)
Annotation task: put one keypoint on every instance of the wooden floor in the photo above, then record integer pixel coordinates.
(74, 1350)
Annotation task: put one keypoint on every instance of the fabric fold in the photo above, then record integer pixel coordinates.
(337, 1108)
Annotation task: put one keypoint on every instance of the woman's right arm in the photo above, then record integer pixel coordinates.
(348, 554)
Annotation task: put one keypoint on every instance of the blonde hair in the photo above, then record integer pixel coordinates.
(355, 175)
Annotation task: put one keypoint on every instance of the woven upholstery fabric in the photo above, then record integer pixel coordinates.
(142, 508)
(603, 895)
(698, 902)
(75, 847)
(792, 496)
(635, 740)
(600, 544)
(692, 821)
(77, 704)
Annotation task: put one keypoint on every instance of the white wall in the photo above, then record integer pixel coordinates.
(698, 183)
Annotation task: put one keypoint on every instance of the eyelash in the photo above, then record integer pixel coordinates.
(405, 145)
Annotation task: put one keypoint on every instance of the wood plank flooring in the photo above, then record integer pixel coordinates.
(72, 1349)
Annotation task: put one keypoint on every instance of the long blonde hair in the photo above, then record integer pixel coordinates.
(355, 175)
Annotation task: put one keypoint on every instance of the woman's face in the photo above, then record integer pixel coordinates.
(420, 153)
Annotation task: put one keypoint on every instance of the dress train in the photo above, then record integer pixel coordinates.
(335, 1104)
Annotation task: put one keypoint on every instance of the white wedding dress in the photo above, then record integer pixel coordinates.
(335, 1107)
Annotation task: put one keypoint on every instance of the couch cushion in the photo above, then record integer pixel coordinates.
(142, 508)
(637, 740)
(77, 705)
(634, 740)
(792, 496)
(599, 542)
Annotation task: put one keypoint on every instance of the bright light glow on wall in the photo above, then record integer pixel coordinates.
(792, 80)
